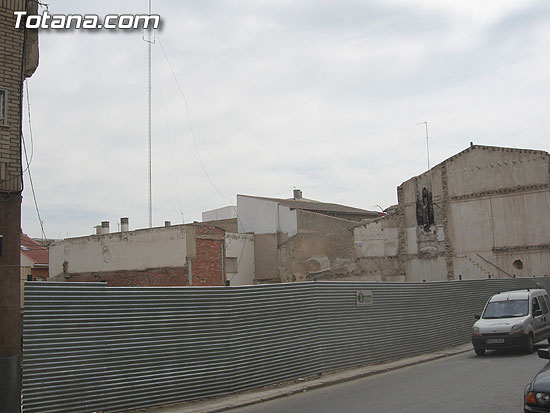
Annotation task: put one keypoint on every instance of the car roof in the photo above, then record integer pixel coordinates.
(515, 295)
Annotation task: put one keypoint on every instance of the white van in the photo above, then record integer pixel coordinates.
(512, 319)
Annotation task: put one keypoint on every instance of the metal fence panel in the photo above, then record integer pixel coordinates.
(406, 319)
(88, 347)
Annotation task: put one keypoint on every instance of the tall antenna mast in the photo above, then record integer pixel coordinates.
(427, 146)
(150, 42)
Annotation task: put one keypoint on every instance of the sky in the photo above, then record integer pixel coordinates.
(259, 97)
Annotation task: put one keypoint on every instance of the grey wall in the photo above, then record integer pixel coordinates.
(88, 347)
(491, 208)
(131, 250)
(319, 237)
(265, 257)
(241, 248)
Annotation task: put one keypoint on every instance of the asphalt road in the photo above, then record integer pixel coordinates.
(461, 383)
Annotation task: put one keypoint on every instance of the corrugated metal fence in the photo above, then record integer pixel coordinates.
(88, 347)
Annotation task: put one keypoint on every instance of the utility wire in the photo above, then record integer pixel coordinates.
(197, 148)
(190, 123)
(32, 141)
(30, 123)
(33, 191)
(28, 169)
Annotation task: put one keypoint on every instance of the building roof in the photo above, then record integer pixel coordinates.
(34, 251)
(321, 207)
(473, 147)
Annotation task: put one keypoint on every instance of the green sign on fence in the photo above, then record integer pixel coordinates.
(364, 298)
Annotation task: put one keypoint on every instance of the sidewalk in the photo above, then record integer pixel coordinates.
(233, 401)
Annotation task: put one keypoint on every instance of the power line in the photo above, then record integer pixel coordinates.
(191, 125)
(197, 149)
(30, 123)
(29, 171)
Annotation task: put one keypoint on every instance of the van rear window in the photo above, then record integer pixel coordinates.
(506, 309)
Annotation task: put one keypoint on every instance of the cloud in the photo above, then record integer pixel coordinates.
(321, 95)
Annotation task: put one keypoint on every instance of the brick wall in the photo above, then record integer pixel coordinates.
(208, 268)
(155, 277)
(39, 273)
(11, 54)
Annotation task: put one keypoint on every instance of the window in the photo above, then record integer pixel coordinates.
(3, 107)
(518, 264)
(543, 305)
(231, 265)
(535, 305)
(506, 309)
(425, 209)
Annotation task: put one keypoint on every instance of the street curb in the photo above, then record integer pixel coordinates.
(250, 397)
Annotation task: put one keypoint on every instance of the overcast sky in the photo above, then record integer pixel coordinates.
(324, 96)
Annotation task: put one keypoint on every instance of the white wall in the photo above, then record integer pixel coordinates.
(522, 219)
(519, 223)
(419, 270)
(26, 261)
(372, 240)
(262, 216)
(287, 223)
(257, 215)
(133, 250)
(534, 263)
(510, 220)
(227, 212)
(489, 169)
(471, 225)
(241, 246)
(487, 215)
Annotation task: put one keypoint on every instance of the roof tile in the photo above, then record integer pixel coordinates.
(34, 251)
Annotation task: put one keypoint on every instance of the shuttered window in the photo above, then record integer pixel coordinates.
(231, 265)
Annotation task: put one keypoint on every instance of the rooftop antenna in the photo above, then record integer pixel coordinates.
(150, 40)
(427, 147)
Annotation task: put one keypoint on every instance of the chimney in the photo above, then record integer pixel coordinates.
(167, 223)
(104, 227)
(98, 229)
(297, 194)
(124, 224)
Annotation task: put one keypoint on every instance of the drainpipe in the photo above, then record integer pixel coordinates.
(222, 246)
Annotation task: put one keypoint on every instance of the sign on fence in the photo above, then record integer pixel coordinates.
(363, 298)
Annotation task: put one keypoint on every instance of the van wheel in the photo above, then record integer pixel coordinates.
(479, 351)
(530, 346)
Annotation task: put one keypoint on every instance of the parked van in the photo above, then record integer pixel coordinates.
(513, 319)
